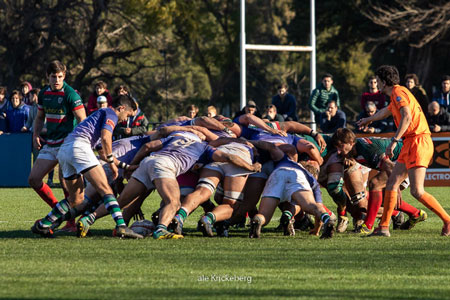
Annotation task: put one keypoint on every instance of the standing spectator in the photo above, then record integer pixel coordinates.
(100, 89)
(374, 95)
(134, 125)
(443, 96)
(376, 126)
(285, 103)
(413, 85)
(191, 111)
(25, 88)
(250, 108)
(272, 115)
(323, 94)
(438, 118)
(332, 119)
(211, 111)
(3, 105)
(16, 114)
(32, 109)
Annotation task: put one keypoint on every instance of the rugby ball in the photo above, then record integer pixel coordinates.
(143, 227)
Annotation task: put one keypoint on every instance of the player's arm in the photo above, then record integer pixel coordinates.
(106, 140)
(145, 150)
(220, 156)
(303, 146)
(405, 121)
(80, 114)
(38, 125)
(380, 115)
(212, 124)
(209, 136)
(296, 127)
(248, 119)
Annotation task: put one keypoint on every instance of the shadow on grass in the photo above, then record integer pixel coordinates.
(27, 234)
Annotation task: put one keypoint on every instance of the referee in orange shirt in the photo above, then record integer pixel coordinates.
(417, 150)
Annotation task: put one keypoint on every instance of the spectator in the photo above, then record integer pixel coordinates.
(16, 114)
(438, 118)
(3, 105)
(191, 111)
(443, 96)
(212, 111)
(272, 115)
(32, 109)
(413, 85)
(250, 108)
(323, 94)
(374, 127)
(135, 125)
(25, 88)
(121, 90)
(102, 102)
(374, 95)
(332, 119)
(100, 89)
(285, 103)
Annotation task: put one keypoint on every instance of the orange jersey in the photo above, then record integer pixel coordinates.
(400, 97)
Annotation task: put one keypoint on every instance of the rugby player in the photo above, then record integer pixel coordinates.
(370, 152)
(76, 157)
(417, 150)
(59, 106)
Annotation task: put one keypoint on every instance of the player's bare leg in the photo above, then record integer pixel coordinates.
(265, 212)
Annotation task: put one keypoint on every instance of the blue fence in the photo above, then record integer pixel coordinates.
(15, 159)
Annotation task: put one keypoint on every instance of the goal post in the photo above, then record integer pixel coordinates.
(252, 47)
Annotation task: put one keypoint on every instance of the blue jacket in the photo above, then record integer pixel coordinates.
(286, 107)
(16, 118)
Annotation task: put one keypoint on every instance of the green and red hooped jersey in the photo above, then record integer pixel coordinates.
(58, 107)
(371, 151)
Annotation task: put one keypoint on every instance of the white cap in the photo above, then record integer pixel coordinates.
(101, 99)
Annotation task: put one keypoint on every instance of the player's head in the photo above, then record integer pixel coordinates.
(344, 140)
(124, 106)
(387, 76)
(56, 72)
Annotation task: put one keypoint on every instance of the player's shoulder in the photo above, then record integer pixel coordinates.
(70, 92)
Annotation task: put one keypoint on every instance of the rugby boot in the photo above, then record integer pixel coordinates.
(37, 228)
(413, 221)
(380, 231)
(163, 234)
(206, 227)
(125, 232)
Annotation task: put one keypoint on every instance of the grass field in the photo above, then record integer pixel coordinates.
(409, 265)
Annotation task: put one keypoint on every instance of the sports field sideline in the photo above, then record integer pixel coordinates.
(410, 265)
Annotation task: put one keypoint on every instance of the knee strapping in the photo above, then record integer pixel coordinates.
(235, 196)
(358, 197)
(207, 184)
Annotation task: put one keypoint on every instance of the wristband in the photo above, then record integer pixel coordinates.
(313, 133)
(110, 158)
(123, 165)
(394, 140)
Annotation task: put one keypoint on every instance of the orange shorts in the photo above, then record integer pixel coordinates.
(417, 151)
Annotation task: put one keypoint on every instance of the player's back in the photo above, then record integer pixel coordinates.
(400, 97)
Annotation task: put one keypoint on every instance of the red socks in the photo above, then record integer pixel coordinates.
(46, 193)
